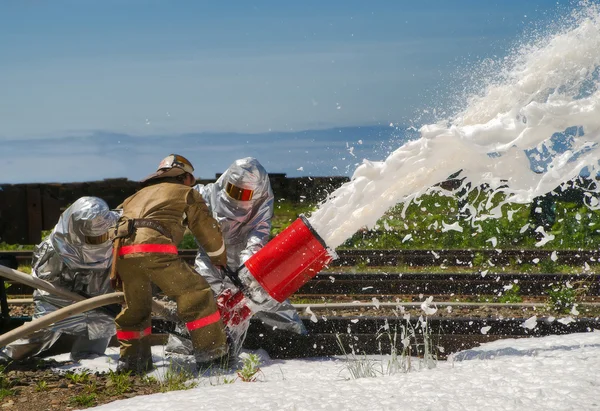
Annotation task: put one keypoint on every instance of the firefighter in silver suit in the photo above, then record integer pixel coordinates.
(76, 256)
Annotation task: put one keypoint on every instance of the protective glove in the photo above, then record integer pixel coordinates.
(232, 307)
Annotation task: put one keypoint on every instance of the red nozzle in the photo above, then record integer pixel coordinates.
(289, 260)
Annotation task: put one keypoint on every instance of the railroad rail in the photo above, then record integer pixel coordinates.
(444, 257)
(366, 286)
(445, 284)
(378, 335)
(334, 335)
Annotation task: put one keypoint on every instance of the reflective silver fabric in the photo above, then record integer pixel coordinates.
(246, 226)
(66, 261)
(88, 216)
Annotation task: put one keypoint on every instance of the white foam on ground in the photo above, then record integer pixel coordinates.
(548, 373)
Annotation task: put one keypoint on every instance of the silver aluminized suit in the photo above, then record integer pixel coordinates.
(66, 259)
(246, 226)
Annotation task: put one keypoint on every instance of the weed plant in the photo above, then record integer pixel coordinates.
(404, 341)
(177, 379)
(84, 400)
(547, 266)
(429, 349)
(511, 295)
(250, 368)
(78, 378)
(359, 367)
(149, 379)
(400, 357)
(120, 382)
(6, 387)
(41, 386)
(91, 387)
(249, 372)
(562, 299)
(25, 268)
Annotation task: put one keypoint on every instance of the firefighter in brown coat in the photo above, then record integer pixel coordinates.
(153, 223)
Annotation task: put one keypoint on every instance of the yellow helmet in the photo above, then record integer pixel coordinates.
(172, 166)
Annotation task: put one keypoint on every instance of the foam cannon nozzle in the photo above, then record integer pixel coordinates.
(275, 272)
(289, 260)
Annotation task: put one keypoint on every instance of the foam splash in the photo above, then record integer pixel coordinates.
(535, 127)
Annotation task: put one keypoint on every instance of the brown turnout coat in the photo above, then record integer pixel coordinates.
(175, 206)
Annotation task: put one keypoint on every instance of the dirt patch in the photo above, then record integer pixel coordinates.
(32, 385)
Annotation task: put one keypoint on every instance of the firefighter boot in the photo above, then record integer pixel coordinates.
(136, 356)
(134, 366)
(217, 359)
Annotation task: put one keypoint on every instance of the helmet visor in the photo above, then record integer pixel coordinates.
(95, 240)
(237, 193)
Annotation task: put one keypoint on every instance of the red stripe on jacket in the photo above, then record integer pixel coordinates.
(148, 248)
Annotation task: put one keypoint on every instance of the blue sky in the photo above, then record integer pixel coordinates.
(79, 76)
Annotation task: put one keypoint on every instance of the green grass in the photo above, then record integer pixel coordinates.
(511, 295)
(78, 378)
(84, 400)
(286, 212)
(575, 227)
(120, 383)
(434, 269)
(421, 226)
(561, 299)
(176, 379)
(6, 387)
(16, 247)
(25, 268)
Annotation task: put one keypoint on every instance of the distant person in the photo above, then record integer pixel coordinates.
(152, 225)
(76, 256)
(241, 200)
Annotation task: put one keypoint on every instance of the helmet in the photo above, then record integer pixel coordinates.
(245, 180)
(172, 166)
(81, 234)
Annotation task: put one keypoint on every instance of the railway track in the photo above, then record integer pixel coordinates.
(379, 335)
(369, 331)
(384, 258)
(326, 284)
(330, 283)
(365, 286)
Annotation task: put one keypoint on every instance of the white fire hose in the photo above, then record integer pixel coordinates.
(35, 282)
(42, 322)
(83, 304)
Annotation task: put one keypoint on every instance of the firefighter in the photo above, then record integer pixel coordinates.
(241, 200)
(76, 256)
(153, 223)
